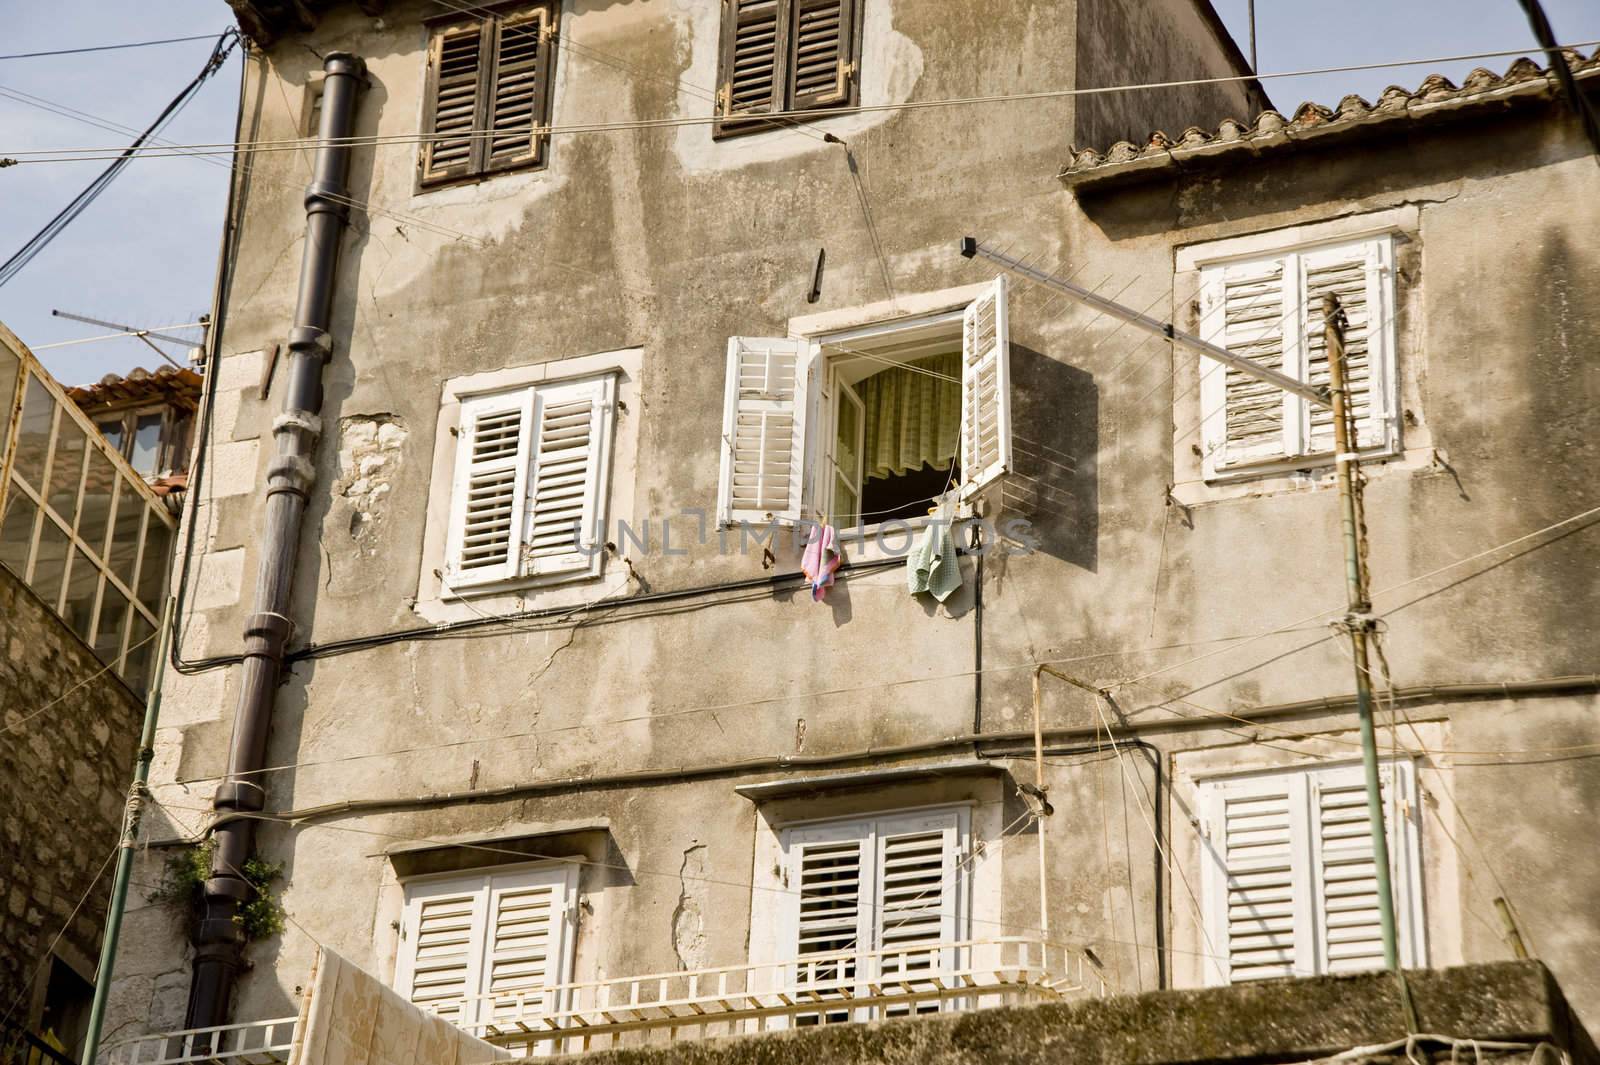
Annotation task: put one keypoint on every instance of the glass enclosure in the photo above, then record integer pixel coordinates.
(78, 524)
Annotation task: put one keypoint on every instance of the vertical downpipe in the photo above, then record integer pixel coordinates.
(219, 943)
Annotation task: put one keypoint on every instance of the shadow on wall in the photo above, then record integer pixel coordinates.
(1055, 440)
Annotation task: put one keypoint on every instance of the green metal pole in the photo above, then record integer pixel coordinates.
(130, 836)
(1358, 621)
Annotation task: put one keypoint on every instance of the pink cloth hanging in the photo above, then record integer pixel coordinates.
(821, 559)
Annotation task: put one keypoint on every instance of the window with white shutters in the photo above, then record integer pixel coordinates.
(784, 55)
(1290, 880)
(1269, 309)
(792, 401)
(871, 900)
(488, 947)
(530, 483)
(488, 94)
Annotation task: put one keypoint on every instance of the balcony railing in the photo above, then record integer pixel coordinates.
(256, 1043)
(747, 999)
(732, 1000)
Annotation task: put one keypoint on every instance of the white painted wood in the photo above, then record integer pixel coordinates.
(490, 489)
(763, 431)
(985, 391)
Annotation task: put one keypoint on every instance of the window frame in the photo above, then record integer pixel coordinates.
(813, 414)
(519, 572)
(1298, 451)
(777, 905)
(727, 125)
(562, 875)
(1310, 943)
(490, 19)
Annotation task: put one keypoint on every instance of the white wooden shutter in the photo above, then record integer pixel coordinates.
(455, 81)
(490, 488)
(763, 431)
(1357, 274)
(571, 452)
(916, 893)
(440, 961)
(1290, 884)
(1259, 887)
(529, 941)
(1244, 307)
(516, 101)
(985, 391)
(1349, 932)
(821, 70)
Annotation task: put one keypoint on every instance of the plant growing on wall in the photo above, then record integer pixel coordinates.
(182, 889)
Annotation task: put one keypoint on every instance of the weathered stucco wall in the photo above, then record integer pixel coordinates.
(664, 241)
(71, 732)
(1159, 40)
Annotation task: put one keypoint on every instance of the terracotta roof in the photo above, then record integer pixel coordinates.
(1436, 98)
(166, 384)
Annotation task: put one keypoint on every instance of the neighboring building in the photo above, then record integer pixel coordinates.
(148, 418)
(524, 763)
(84, 546)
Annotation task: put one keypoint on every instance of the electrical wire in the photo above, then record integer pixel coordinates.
(49, 951)
(76, 154)
(40, 240)
(110, 47)
(25, 718)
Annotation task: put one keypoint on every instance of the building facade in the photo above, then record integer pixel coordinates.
(561, 709)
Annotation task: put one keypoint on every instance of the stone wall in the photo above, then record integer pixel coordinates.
(71, 734)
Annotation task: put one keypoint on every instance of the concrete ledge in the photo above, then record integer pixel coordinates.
(1275, 1021)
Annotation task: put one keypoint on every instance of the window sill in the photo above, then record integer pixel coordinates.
(1308, 474)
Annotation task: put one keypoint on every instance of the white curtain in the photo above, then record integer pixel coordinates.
(913, 419)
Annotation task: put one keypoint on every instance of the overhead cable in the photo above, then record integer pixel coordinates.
(40, 240)
(80, 154)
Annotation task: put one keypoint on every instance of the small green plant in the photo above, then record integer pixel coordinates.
(182, 888)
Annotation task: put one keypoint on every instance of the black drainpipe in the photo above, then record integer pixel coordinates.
(218, 944)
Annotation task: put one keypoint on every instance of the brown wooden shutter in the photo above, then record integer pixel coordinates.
(517, 106)
(455, 85)
(821, 64)
(753, 35)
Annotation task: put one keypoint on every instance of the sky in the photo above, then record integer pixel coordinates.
(145, 252)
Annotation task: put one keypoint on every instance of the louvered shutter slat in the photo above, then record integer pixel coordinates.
(750, 58)
(763, 444)
(820, 70)
(516, 105)
(1345, 272)
(985, 391)
(491, 487)
(1257, 851)
(442, 949)
(830, 883)
(523, 936)
(1347, 889)
(457, 68)
(571, 453)
(1250, 323)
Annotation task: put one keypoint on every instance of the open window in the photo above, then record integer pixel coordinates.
(871, 425)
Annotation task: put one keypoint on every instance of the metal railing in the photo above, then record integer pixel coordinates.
(255, 1043)
(78, 525)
